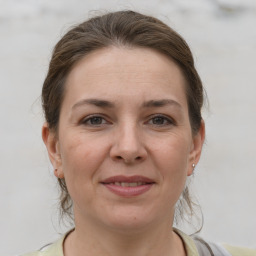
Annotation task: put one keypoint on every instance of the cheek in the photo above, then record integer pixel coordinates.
(80, 157)
(80, 163)
(173, 163)
(174, 153)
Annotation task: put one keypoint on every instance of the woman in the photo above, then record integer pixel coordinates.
(122, 102)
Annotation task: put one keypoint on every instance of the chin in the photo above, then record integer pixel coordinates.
(129, 220)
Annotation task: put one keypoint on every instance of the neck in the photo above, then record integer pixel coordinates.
(90, 240)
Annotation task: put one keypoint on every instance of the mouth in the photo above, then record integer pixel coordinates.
(128, 186)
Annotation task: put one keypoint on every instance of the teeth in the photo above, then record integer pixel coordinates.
(134, 184)
(129, 184)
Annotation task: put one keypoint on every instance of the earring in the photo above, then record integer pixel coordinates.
(59, 176)
(194, 166)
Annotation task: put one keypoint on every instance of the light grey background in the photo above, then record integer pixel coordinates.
(222, 36)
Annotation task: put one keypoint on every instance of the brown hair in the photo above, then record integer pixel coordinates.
(120, 29)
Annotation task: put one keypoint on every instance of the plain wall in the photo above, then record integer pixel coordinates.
(222, 36)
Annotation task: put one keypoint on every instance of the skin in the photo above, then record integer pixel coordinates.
(130, 135)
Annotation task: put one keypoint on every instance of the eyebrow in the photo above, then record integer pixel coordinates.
(96, 102)
(108, 104)
(160, 103)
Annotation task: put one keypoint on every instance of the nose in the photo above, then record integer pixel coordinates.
(128, 146)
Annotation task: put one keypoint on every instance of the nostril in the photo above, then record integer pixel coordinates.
(127, 159)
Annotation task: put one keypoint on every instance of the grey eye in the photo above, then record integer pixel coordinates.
(159, 120)
(95, 120)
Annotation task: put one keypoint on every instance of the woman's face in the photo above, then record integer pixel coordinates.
(124, 142)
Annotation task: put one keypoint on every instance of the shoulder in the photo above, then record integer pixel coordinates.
(239, 251)
(36, 253)
(193, 247)
(188, 242)
(54, 249)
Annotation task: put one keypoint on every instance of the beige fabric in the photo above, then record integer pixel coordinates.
(188, 243)
(56, 249)
(233, 250)
(239, 251)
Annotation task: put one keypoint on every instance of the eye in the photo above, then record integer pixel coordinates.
(94, 121)
(160, 120)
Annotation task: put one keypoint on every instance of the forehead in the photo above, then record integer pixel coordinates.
(125, 71)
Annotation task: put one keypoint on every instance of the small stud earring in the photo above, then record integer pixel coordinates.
(194, 166)
(56, 174)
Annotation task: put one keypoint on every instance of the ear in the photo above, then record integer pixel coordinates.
(196, 148)
(52, 144)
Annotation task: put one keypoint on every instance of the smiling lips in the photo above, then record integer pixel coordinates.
(128, 186)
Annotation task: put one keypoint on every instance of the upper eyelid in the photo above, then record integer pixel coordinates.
(170, 120)
(107, 119)
(161, 115)
(84, 119)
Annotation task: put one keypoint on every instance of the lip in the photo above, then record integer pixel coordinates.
(133, 191)
(122, 178)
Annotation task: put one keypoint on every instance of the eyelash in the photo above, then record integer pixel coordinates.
(90, 118)
(166, 120)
